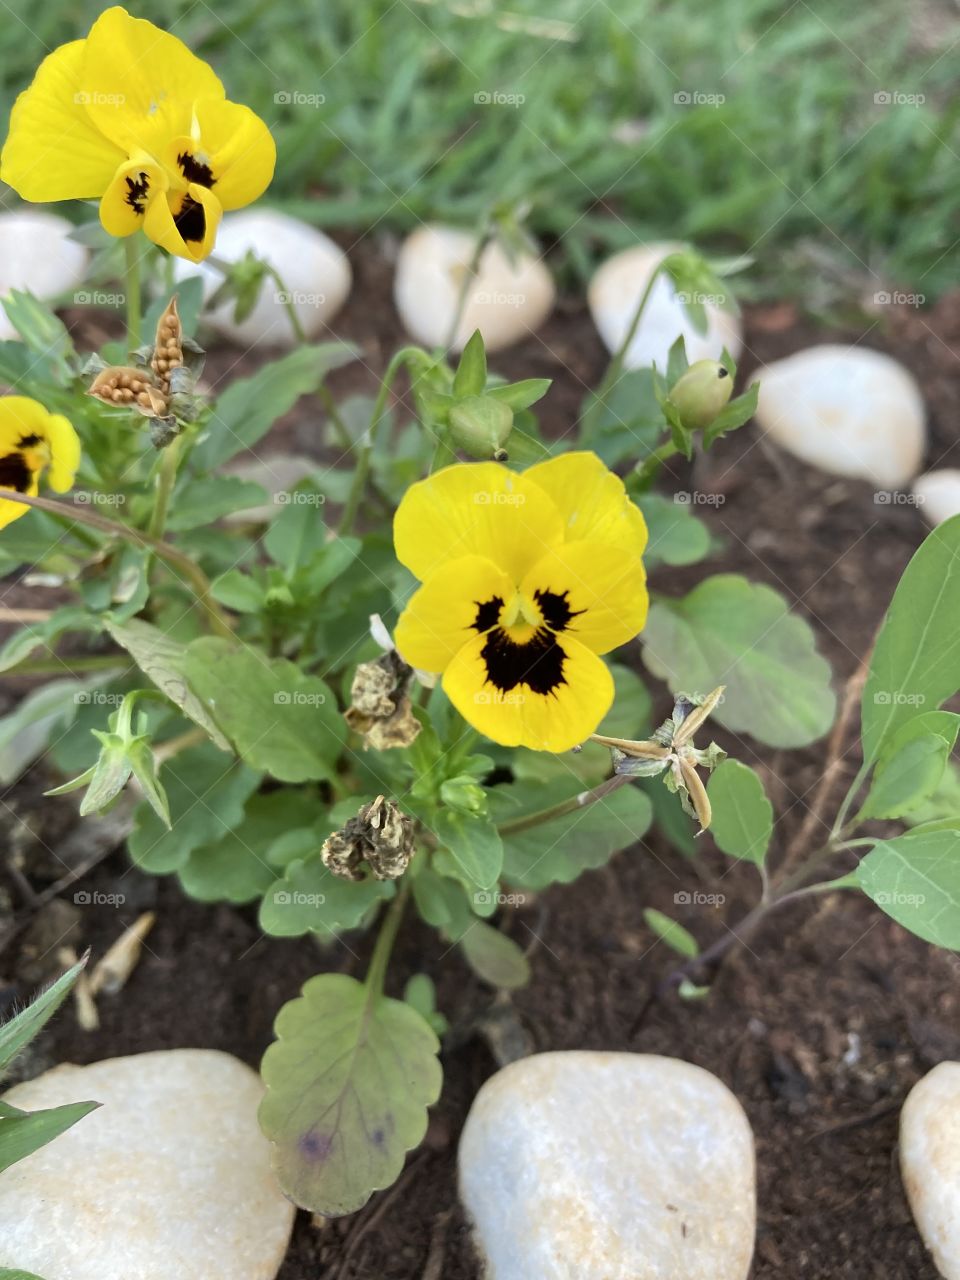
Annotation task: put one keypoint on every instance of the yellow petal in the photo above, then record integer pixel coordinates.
(64, 452)
(595, 592)
(136, 183)
(592, 500)
(461, 599)
(239, 150)
(475, 508)
(142, 81)
(54, 151)
(184, 223)
(525, 714)
(10, 511)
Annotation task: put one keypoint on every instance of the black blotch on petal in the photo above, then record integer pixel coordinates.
(488, 611)
(555, 608)
(191, 221)
(195, 170)
(315, 1146)
(137, 191)
(537, 663)
(14, 473)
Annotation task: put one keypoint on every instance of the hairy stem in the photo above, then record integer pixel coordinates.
(575, 803)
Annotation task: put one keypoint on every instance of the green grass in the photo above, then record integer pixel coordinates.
(798, 151)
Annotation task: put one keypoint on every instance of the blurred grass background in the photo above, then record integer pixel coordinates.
(785, 147)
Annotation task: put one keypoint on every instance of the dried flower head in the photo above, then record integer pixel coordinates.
(380, 708)
(381, 835)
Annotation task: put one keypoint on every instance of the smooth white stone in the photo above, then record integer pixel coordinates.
(36, 255)
(609, 1166)
(315, 273)
(930, 1163)
(847, 410)
(506, 300)
(938, 495)
(615, 292)
(171, 1177)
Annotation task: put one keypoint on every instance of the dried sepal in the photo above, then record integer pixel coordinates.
(380, 708)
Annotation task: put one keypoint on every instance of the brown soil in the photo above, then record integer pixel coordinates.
(820, 1026)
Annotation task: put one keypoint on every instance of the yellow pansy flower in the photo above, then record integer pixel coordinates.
(526, 580)
(33, 441)
(131, 116)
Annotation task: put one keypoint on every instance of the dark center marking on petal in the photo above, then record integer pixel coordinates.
(315, 1146)
(537, 663)
(14, 472)
(30, 441)
(137, 191)
(555, 608)
(488, 611)
(195, 170)
(191, 221)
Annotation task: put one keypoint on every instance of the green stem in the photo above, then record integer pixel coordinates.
(443, 453)
(70, 664)
(572, 805)
(377, 972)
(131, 247)
(651, 464)
(473, 270)
(192, 573)
(615, 367)
(166, 479)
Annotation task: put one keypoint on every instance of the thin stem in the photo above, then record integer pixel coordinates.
(579, 801)
(194, 575)
(443, 454)
(131, 247)
(648, 468)
(615, 367)
(71, 664)
(173, 746)
(166, 479)
(471, 273)
(377, 972)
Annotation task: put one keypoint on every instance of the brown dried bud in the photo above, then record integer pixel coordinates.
(168, 345)
(380, 835)
(126, 386)
(380, 708)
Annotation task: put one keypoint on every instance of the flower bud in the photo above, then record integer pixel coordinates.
(480, 426)
(464, 794)
(700, 393)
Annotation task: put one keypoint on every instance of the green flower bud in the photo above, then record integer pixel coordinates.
(464, 794)
(700, 393)
(480, 426)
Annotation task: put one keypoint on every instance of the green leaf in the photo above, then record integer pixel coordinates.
(494, 957)
(742, 815)
(236, 868)
(250, 406)
(558, 851)
(25, 732)
(733, 415)
(672, 933)
(21, 1135)
(911, 765)
(199, 500)
(279, 719)
(349, 1080)
(521, 395)
(740, 634)
(206, 791)
(309, 898)
(7, 1274)
(421, 994)
(163, 660)
(29, 1022)
(238, 591)
(677, 537)
(298, 530)
(22, 643)
(915, 666)
(474, 843)
(915, 879)
(629, 422)
(471, 376)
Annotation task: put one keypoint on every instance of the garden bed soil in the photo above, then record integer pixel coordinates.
(820, 1025)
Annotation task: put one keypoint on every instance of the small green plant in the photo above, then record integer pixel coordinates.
(414, 685)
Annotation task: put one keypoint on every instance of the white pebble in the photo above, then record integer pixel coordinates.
(507, 300)
(609, 1166)
(170, 1177)
(850, 411)
(938, 495)
(614, 294)
(930, 1163)
(315, 273)
(37, 255)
